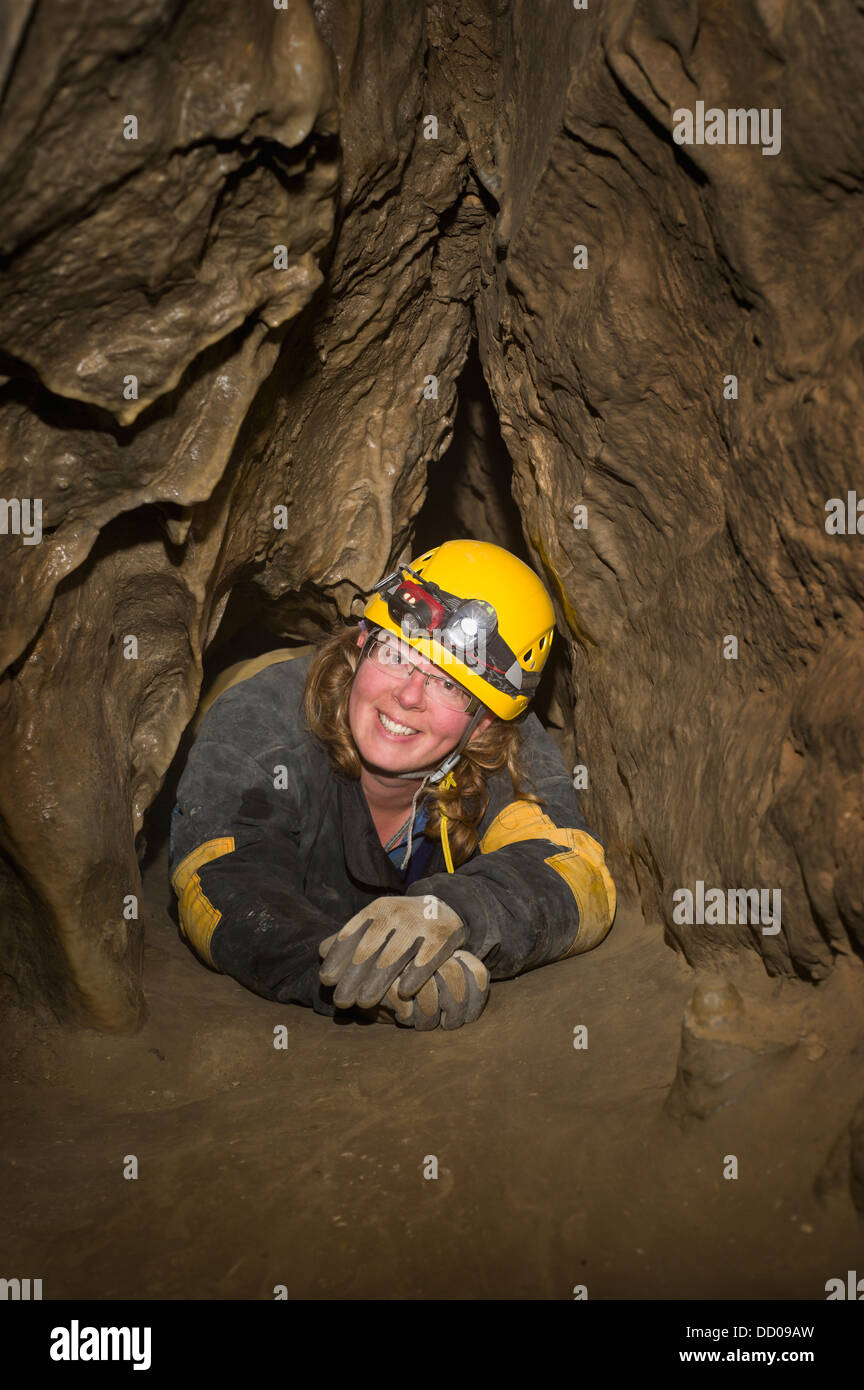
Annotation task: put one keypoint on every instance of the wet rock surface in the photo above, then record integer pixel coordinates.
(235, 333)
(256, 218)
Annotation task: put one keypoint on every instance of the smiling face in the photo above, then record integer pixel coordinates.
(397, 726)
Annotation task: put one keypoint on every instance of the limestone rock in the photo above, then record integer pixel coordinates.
(706, 514)
(842, 1174)
(727, 1050)
(317, 210)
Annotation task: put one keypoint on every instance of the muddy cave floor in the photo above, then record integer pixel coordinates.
(303, 1167)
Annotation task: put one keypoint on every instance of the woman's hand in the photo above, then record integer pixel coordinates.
(456, 994)
(393, 938)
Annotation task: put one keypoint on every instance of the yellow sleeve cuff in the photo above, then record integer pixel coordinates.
(582, 867)
(198, 917)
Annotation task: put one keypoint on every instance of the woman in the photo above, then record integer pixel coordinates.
(358, 827)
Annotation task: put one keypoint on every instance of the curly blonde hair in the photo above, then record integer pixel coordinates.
(326, 696)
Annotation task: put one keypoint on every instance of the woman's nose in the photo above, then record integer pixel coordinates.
(413, 691)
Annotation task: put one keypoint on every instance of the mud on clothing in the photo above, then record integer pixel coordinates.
(271, 852)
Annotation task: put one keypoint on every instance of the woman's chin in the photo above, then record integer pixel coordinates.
(385, 755)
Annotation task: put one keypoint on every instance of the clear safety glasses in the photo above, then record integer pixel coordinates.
(389, 655)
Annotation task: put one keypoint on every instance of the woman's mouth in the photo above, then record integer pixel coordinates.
(391, 727)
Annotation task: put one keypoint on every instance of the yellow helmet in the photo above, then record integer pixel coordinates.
(477, 610)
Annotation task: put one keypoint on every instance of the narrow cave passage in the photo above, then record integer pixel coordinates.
(469, 496)
(470, 487)
(217, 315)
(338, 1113)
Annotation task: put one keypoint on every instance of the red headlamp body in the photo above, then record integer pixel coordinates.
(411, 599)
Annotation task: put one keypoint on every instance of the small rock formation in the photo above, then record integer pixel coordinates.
(726, 1051)
(842, 1174)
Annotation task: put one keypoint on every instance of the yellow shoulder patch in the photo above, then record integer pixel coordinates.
(582, 866)
(521, 820)
(198, 917)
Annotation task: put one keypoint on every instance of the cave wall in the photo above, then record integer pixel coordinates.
(705, 514)
(299, 380)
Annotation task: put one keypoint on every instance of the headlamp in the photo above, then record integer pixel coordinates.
(413, 608)
(466, 627)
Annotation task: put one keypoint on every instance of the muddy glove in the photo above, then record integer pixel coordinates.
(408, 938)
(457, 993)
